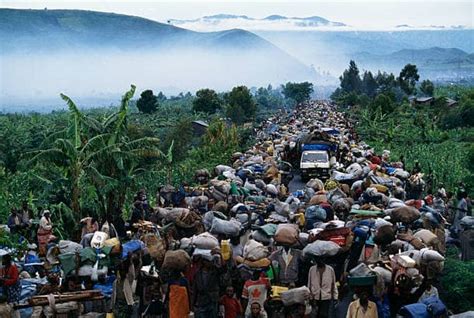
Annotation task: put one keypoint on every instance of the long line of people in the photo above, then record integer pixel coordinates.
(246, 241)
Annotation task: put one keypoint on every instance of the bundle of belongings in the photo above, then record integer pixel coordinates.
(246, 233)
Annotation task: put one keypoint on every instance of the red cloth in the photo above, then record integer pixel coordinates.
(232, 306)
(429, 199)
(11, 275)
(178, 302)
(376, 160)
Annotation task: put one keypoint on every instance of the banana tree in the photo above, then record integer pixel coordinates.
(98, 153)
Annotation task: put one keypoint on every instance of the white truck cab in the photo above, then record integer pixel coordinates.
(315, 163)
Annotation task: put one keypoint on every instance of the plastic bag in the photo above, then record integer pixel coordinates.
(321, 248)
(295, 296)
(205, 241)
(255, 251)
(231, 228)
(287, 234)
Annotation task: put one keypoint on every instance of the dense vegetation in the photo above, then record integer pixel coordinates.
(457, 283)
(91, 162)
(437, 135)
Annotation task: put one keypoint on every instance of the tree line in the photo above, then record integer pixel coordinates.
(91, 162)
(240, 104)
(437, 135)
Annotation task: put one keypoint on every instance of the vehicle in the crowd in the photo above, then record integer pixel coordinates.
(314, 163)
(314, 152)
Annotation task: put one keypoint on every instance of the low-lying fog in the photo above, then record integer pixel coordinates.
(105, 75)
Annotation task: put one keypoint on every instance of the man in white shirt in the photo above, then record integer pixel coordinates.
(322, 284)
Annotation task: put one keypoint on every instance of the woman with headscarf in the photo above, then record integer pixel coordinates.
(10, 280)
(45, 232)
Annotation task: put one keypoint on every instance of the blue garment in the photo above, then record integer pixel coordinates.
(13, 292)
(131, 246)
(106, 288)
(417, 310)
(383, 307)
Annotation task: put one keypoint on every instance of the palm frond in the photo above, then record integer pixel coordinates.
(98, 178)
(110, 120)
(77, 117)
(147, 153)
(121, 122)
(47, 155)
(96, 142)
(51, 138)
(142, 143)
(42, 179)
(67, 147)
(103, 152)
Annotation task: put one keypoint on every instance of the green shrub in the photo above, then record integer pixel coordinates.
(457, 283)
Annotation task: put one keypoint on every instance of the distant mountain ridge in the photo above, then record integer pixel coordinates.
(45, 52)
(215, 20)
(419, 56)
(434, 62)
(277, 22)
(48, 30)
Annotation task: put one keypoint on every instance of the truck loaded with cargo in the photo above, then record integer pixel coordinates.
(314, 151)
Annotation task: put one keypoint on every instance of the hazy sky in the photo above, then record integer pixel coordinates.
(357, 13)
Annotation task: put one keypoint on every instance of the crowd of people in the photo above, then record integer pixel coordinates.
(247, 241)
